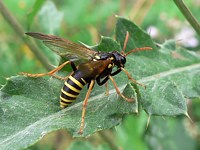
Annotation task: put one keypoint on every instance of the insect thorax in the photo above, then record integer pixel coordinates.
(104, 56)
(116, 58)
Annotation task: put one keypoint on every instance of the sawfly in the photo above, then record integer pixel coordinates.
(97, 67)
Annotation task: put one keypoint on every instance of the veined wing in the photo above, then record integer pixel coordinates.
(64, 47)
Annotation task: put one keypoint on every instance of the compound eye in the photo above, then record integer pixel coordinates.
(123, 60)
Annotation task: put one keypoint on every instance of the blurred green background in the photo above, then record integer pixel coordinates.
(86, 21)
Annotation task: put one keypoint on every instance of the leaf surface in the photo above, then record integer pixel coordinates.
(29, 107)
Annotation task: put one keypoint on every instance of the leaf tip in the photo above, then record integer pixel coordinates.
(117, 16)
(101, 36)
(148, 121)
(188, 116)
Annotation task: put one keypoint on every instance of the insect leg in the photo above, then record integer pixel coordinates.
(104, 81)
(52, 72)
(118, 92)
(107, 90)
(85, 105)
(125, 42)
(130, 78)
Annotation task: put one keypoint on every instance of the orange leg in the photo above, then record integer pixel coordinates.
(85, 105)
(125, 42)
(130, 78)
(107, 90)
(118, 92)
(50, 73)
(59, 77)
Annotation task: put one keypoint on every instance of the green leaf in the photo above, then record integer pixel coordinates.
(130, 132)
(177, 135)
(50, 18)
(171, 74)
(30, 16)
(84, 145)
(137, 37)
(29, 107)
(81, 145)
(107, 45)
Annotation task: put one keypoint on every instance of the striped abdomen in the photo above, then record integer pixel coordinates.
(71, 89)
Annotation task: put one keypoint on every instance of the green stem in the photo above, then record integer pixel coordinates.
(188, 15)
(20, 32)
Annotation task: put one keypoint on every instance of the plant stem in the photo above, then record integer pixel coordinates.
(188, 15)
(20, 32)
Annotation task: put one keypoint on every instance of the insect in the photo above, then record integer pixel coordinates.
(98, 66)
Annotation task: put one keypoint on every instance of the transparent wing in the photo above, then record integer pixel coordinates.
(64, 47)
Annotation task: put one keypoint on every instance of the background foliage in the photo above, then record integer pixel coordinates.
(85, 21)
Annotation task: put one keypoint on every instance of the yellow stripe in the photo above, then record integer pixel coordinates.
(97, 57)
(83, 80)
(68, 94)
(66, 100)
(72, 88)
(63, 105)
(76, 81)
